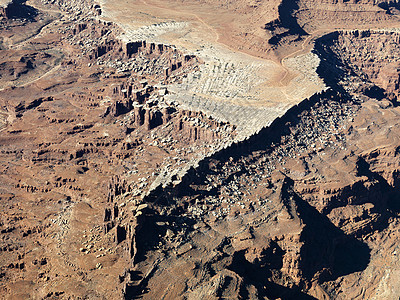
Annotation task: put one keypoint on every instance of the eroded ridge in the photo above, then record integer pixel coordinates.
(148, 155)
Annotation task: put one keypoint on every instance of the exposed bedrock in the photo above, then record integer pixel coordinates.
(328, 216)
(370, 55)
(296, 263)
(112, 189)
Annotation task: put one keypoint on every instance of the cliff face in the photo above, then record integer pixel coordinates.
(17, 9)
(302, 20)
(302, 207)
(80, 108)
(111, 189)
(372, 56)
(312, 226)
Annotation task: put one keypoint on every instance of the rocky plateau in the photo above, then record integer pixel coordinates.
(233, 149)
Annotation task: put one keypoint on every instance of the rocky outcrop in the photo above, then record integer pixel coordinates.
(362, 53)
(111, 189)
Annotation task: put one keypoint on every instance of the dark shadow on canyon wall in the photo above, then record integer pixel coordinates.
(328, 252)
(17, 9)
(286, 25)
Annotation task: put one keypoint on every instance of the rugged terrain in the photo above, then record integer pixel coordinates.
(199, 150)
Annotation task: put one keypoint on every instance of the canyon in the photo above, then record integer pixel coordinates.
(239, 149)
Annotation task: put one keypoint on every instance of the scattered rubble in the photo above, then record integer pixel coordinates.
(131, 168)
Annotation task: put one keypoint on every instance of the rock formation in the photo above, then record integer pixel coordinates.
(138, 168)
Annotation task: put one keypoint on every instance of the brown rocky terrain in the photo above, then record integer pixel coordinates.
(276, 28)
(136, 167)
